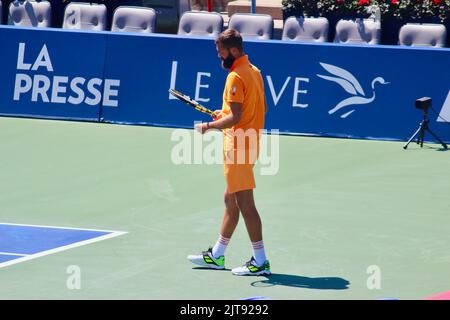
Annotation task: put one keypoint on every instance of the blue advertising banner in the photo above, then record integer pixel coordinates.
(48, 73)
(311, 88)
(352, 91)
(320, 89)
(149, 66)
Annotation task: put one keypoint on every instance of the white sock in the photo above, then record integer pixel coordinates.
(220, 246)
(258, 252)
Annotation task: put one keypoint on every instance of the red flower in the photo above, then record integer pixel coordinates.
(363, 2)
(339, 1)
(394, 1)
(437, 1)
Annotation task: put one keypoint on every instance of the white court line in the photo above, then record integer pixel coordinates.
(13, 254)
(112, 234)
(54, 227)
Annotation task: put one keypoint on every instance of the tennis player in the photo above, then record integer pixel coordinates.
(242, 121)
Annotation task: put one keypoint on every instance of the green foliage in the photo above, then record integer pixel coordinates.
(403, 9)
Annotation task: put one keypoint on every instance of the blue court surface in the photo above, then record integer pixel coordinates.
(20, 243)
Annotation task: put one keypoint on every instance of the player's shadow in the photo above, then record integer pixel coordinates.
(290, 280)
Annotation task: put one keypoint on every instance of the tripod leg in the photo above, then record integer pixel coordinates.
(419, 135)
(424, 127)
(412, 137)
(422, 136)
(437, 138)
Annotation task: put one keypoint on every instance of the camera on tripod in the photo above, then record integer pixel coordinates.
(423, 103)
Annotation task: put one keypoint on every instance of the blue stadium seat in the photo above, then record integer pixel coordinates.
(134, 19)
(360, 31)
(416, 34)
(200, 23)
(30, 14)
(85, 16)
(252, 26)
(306, 29)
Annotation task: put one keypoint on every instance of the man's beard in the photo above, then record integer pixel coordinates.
(227, 63)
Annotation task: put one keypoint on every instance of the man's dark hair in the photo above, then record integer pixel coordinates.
(230, 38)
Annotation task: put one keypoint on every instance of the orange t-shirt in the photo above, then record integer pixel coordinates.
(244, 85)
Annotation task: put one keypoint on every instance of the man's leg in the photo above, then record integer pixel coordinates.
(231, 215)
(259, 265)
(251, 216)
(214, 257)
(229, 223)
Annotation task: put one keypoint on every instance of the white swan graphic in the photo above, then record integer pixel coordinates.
(347, 81)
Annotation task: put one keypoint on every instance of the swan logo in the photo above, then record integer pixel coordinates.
(349, 83)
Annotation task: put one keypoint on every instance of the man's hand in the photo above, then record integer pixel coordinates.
(202, 127)
(217, 114)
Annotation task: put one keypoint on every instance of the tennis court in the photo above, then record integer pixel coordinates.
(336, 209)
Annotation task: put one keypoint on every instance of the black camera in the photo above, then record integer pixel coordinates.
(423, 103)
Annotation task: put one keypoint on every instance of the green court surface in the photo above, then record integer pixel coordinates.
(335, 208)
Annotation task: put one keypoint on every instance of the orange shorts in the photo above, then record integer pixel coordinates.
(239, 176)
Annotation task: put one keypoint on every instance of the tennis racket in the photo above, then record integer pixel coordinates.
(191, 102)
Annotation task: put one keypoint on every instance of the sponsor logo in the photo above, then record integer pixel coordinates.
(37, 82)
(352, 86)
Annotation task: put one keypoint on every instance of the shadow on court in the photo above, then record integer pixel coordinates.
(289, 280)
(206, 268)
(435, 148)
